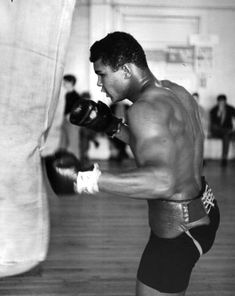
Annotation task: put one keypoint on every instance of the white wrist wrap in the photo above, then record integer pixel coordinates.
(87, 182)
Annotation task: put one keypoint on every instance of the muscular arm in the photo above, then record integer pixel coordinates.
(141, 183)
(153, 178)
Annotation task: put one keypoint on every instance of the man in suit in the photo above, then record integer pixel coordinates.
(221, 124)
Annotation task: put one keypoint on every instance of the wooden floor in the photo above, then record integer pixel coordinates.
(96, 243)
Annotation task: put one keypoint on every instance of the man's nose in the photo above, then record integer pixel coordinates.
(99, 83)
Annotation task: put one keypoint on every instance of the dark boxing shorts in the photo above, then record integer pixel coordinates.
(167, 263)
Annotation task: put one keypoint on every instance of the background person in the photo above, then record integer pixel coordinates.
(221, 124)
(71, 97)
(86, 136)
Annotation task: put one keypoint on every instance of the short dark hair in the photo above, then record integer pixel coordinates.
(221, 98)
(118, 48)
(70, 78)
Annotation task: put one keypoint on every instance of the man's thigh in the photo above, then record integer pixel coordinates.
(143, 290)
(166, 265)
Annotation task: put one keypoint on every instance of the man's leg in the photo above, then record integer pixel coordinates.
(223, 134)
(232, 139)
(143, 290)
(226, 141)
(64, 140)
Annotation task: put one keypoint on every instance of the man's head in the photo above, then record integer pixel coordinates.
(115, 57)
(117, 49)
(221, 99)
(69, 82)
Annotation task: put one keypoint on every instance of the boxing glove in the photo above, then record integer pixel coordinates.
(66, 175)
(96, 116)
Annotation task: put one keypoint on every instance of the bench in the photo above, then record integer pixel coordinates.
(213, 148)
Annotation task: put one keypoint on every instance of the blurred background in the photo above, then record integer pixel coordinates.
(91, 245)
(189, 42)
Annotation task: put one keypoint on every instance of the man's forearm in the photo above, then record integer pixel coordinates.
(143, 183)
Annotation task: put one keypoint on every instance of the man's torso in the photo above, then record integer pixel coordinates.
(182, 141)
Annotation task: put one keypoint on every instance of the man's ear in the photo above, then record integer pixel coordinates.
(127, 71)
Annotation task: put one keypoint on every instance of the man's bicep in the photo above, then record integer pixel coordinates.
(148, 120)
(157, 151)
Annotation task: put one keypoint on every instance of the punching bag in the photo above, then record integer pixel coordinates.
(33, 43)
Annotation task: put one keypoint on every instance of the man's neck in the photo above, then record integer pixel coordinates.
(71, 90)
(141, 80)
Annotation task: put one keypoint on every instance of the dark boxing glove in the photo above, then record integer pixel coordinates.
(96, 116)
(66, 176)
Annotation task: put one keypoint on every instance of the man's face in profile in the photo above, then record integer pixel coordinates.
(68, 85)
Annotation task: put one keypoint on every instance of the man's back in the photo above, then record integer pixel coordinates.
(193, 139)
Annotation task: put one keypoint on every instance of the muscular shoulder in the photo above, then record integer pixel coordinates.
(151, 114)
(153, 102)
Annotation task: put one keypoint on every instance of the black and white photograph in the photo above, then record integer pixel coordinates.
(117, 148)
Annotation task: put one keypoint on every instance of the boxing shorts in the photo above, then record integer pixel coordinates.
(168, 259)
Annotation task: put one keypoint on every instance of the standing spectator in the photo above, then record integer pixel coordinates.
(71, 97)
(69, 82)
(86, 136)
(221, 124)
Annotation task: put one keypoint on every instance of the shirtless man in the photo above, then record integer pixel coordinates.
(164, 132)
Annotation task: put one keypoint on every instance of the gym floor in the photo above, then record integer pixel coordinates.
(96, 243)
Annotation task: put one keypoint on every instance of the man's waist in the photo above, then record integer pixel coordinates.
(169, 217)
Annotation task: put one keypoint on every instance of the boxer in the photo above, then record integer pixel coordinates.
(164, 132)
